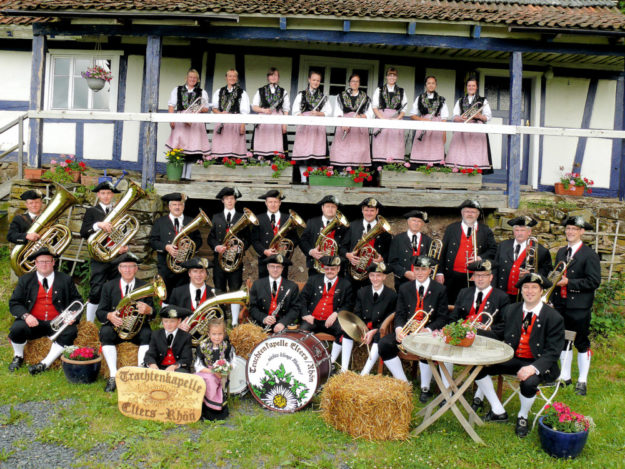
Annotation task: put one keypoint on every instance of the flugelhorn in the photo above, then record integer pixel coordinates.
(127, 310)
(186, 246)
(415, 324)
(365, 252)
(231, 258)
(280, 242)
(485, 326)
(435, 253)
(554, 277)
(473, 111)
(326, 245)
(60, 323)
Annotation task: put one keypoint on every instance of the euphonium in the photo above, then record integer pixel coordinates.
(365, 252)
(326, 245)
(103, 246)
(209, 309)
(435, 253)
(554, 277)
(127, 307)
(414, 325)
(531, 255)
(186, 246)
(280, 242)
(231, 258)
(59, 323)
(55, 237)
(473, 111)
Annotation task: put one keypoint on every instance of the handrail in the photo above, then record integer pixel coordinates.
(19, 146)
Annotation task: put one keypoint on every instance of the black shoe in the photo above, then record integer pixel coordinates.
(425, 395)
(36, 369)
(521, 429)
(498, 418)
(565, 383)
(580, 388)
(16, 363)
(478, 404)
(443, 402)
(110, 385)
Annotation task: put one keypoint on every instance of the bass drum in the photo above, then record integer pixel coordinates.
(237, 383)
(286, 370)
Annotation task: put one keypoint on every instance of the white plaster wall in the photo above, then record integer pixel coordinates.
(98, 141)
(223, 63)
(59, 138)
(134, 79)
(15, 76)
(256, 67)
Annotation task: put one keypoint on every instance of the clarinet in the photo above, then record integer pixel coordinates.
(422, 134)
(397, 112)
(275, 312)
(227, 109)
(345, 132)
(273, 107)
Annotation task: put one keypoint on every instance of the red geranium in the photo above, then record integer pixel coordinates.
(238, 161)
(292, 162)
(274, 167)
(306, 173)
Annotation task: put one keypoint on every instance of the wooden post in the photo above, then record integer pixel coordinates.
(150, 104)
(514, 141)
(37, 69)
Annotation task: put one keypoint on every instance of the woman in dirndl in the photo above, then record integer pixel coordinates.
(190, 137)
(471, 150)
(429, 147)
(311, 145)
(389, 102)
(268, 139)
(351, 144)
(229, 139)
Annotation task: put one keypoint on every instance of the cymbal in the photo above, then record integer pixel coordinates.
(353, 326)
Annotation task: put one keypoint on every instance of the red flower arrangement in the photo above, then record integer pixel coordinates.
(561, 418)
(359, 174)
(61, 171)
(80, 354)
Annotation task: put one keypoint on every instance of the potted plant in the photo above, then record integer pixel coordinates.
(459, 333)
(65, 171)
(573, 184)
(96, 77)
(175, 163)
(33, 174)
(563, 433)
(339, 177)
(429, 176)
(81, 365)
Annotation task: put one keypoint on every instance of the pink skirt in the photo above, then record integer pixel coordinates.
(389, 144)
(268, 139)
(354, 149)
(431, 147)
(214, 397)
(229, 143)
(193, 139)
(468, 150)
(310, 142)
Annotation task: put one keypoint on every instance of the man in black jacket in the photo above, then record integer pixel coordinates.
(22, 222)
(170, 347)
(574, 295)
(194, 293)
(536, 333)
(39, 297)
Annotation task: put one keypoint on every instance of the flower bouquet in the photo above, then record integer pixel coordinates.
(459, 333)
(221, 367)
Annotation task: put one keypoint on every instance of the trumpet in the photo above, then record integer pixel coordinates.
(127, 307)
(555, 276)
(231, 258)
(415, 324)
(186, 246)
(69, 314)
(531, 255)
(485, 326)
(473, 111)
(280, 242)
(365, 252)
(326, 245)
(435, 253)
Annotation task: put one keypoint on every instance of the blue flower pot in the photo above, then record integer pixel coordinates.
(560, 444)
(81, 372)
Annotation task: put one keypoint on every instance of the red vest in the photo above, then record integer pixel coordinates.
(473, 314)
(524, 350)
(44, 310)
(169, 358)
(202, 300)
(465, 249)
(416, 252)
(325, 307)
(514, 274)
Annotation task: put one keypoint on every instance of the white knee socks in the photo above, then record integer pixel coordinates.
(235, 309)
(336, 351)
(394, 366)
(18, 349)
(565, 365)
(346, 353)
(55, 352)
(583, 362)
(186, 170)
(373, 357)
(486, 386)
(426, 375)
(478, 394)
(526, 405)
(143, 349)
(110, 355)
(91, 309)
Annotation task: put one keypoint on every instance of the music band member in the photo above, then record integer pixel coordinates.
(93, 221)
(163, 233)
(268, 139)
(269, 224)
(321, 299)
(194, 293)
(408, 245)
(308, 243)
(274, 298)
(421, 295)
(511, 257)
(170, 347)
(374, 303)
(222, 222)
(536, 333)
(22, 222)
(112, 293)
(461, 241)
(229, 139)
(574, 295)
(39, 297)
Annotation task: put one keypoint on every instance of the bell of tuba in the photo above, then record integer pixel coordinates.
(326, 245)
(280, 242)
(210, 309)
(103, 246)
(435, 253)
(55, 237)
(365, 252)
(127, 307)
(231, 258)
(186, 246)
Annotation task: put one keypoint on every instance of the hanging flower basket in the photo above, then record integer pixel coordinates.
(95, 84)
(96, 77)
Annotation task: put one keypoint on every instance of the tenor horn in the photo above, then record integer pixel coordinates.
(280, 242)
(127, 307)
(365, 252)
(231, 258)
(185, 245)
(326, 245)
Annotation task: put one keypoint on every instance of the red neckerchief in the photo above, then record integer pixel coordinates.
(416, 252)
(202, 299)
(274, 298)
(473, 314)
(276, 226)
(419, 299)
(515, 272)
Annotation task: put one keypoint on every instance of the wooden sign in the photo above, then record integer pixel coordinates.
(166, 396)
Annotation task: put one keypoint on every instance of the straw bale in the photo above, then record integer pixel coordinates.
(372, 407)
(126, 356)
(88, 335)
(245, 337)
(36, 350)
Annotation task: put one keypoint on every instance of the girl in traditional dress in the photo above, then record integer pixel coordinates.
(351, 144)
(468, 150)
(311, 146)
(213, 358)
(429, 147)
(229, 139)
(191, 137)
(270, 99)
(389, 102)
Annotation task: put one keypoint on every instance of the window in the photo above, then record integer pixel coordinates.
(335, 74)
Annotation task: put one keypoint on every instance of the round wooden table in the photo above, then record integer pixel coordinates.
(483, 352)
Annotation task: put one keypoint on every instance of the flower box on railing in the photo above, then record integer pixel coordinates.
(417, 180)
(241, 174)
(335, 181)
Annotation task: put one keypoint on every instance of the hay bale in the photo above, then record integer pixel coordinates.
(126, 356)
(245, 337)
(372, 407)
(88, 335)
(36, 350)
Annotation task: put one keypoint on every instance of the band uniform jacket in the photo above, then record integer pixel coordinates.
(504, 259)
(24, 296)
(400, 256)
(435, 298)
(112, 295)
(18, 228)
(310, 235)
(219, 230)
(313, 291)
(163, 233)
(486, 245)
(373, 313)
(181, 296)
(93, 215)
(584, 276)
(355, 233)
(496, 301)
(262, 235)
(180, 347)
(260, 301)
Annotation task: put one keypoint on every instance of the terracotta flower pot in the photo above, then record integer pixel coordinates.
(33, 174)
(576, 191)
(466, 342)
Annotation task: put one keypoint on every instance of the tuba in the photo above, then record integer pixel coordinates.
(210, 309)
(326, 245)
(554, 277)
(231, 258)
(186, 246)
(365, 252)
(280, 242)
(435, 253)
(127, 307)
(531, 256)
(55, 237)
(103, 246)
(414, 325)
